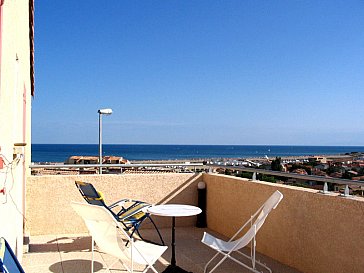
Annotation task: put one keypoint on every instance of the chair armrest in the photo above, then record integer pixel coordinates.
(133, 210)
(129, 205)
(119, 203)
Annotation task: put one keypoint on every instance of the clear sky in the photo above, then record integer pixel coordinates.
(199, 72)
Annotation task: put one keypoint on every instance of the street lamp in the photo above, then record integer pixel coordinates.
(101, 112)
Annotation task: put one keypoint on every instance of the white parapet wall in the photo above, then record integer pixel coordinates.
(48, 209)
(310, 231)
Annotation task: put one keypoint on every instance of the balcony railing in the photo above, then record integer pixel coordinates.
(210, 168)
(291, 175)
(79, 166)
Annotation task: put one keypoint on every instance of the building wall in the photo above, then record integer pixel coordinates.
(48, 208)
(312, 232)
(15, 100)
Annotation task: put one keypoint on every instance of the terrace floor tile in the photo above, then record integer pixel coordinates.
(72, 254)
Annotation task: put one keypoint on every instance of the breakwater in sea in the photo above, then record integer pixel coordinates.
(134, 152)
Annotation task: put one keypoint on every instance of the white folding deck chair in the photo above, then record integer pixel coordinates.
(110, 238)
(235, 244)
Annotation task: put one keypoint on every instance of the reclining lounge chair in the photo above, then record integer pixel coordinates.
(227, 248)
(111, 238)
(130, 213)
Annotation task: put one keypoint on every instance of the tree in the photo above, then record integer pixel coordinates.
(268, 178)
(276, 165)
(347, 175)
(245, 175)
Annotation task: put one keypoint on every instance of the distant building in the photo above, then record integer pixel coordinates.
(321, 159)
(343, 159)
(353, 173)
(319, 172)
(300, 171)
(114, 160)
(322, 167)
(358, 178)
(82, 160)
(95, 160)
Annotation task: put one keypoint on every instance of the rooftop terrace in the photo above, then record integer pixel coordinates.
(308, 232)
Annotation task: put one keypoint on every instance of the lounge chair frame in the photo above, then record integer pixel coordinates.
(126, 214)
(103, 226)
(226, 249)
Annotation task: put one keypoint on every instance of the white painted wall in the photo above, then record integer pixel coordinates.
(15, 107)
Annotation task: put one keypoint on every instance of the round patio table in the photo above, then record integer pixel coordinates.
(174, 210)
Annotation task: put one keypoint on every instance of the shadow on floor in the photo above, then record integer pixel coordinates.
(85, 265)
(65, 244)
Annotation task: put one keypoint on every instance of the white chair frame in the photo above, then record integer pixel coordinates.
(232, 246)
(91, 213)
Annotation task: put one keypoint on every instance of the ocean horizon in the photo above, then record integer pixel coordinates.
(60, 152)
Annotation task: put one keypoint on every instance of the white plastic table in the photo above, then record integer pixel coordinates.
(174, 210)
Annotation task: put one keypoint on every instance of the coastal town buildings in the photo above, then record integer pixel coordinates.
(16, 91)
(95, 160)
(348, 166)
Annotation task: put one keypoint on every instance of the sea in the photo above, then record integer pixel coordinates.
(60, 152)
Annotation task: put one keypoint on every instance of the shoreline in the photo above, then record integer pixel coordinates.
(200, 160)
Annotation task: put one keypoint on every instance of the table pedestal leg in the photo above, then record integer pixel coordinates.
(173, 268)
(173, 260)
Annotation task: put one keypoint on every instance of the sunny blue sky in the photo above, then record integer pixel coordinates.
(200, 72)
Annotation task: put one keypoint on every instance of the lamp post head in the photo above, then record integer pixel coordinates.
(106, 111)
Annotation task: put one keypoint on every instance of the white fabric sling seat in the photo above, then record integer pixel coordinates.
(111, 238)
(227, 248)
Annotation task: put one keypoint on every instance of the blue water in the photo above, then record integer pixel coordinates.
(60, 152)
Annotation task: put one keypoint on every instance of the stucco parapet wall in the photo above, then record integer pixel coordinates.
(309, 231)
(48, 198)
